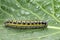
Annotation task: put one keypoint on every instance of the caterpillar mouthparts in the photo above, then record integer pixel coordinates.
(25, 24)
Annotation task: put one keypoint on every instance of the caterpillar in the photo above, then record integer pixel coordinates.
(25, 24)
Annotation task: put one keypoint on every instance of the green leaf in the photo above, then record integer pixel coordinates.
(47, 10)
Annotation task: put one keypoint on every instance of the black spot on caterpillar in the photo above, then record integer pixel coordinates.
(26, 24)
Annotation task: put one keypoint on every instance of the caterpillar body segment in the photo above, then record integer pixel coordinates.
(26, 24)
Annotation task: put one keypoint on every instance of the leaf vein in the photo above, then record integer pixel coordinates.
(48, 13)
(28, 10)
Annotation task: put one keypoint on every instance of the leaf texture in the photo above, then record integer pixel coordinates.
(47, 10)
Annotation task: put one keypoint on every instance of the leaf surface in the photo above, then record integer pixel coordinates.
(47, 10)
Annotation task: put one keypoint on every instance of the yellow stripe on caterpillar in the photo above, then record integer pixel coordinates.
(26, 24)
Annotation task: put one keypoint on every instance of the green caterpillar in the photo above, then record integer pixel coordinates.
(26, 24)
